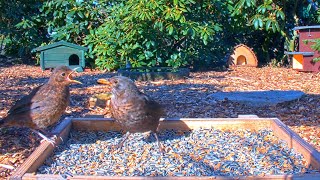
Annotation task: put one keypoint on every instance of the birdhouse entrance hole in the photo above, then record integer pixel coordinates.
(74, 60)
(241, 60)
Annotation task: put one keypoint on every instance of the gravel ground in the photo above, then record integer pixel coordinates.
(181, 98)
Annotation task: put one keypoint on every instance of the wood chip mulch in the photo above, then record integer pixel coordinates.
(181, 98)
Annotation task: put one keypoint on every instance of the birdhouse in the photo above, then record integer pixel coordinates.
(302, 60)
(62, 53)
(242, 55)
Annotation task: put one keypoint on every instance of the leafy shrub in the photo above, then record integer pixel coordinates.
(19, 33)
(156, 33)
(151, 33)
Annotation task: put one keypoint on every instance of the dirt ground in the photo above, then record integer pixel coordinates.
(181, 98)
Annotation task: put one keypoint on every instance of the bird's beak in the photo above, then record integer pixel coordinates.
(70, 78)
(103, 81)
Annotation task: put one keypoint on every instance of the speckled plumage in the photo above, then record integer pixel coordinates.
(45, 105)
(133, 110)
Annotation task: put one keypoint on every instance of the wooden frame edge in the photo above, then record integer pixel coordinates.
(297, 143)
(30, 176)
(38, 156)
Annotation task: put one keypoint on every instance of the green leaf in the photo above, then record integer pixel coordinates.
(316, 59)
(269, 7)
(148, 54)
(175, 2)
(90, 46)
(217, 28)
(268, 23)
(248, 3)
(256, 23)
(274, 28)
(309, 7)
(280, 14)
(174, 56)
(148, 44)
(260, 22)
(70, 15)
(263, 10)
(277, 26)
(80, 14)
(64, 3)
(170, 30)
(205, 37)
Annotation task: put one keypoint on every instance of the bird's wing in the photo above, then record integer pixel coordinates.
(153, 106)
(26, 103)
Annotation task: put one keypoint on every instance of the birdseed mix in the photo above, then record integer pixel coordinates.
(202, 152)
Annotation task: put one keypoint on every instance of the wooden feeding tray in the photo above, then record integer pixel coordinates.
(251, 122)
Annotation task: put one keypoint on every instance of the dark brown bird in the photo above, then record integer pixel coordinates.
(131, 109)
(44, 106)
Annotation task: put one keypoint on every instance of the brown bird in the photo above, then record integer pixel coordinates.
(44, 106)
(133, 110)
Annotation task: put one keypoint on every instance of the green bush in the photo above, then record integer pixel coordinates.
(18, 32)
(156, 32)
(151, 33)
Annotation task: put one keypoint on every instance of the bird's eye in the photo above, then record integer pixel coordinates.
(63, 74)
(115, 81)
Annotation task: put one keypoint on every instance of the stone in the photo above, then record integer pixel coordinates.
(259, 98)
(101, 100)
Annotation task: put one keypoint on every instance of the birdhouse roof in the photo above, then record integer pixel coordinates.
(57, 44)
(306, 27)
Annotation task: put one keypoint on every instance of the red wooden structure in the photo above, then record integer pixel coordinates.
(303, 59)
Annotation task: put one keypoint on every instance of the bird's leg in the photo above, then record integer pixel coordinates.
(50, 140)
(52, 135)
(119, 145)
(161, 148)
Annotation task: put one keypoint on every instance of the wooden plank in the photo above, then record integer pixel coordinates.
(59, 44)
(56, 61)
(103, 124)
(30, 176)
(82, 59)
(42, 61)
(56, 56)
(296, 142)
(36, 159)
(94, 124)
(63, 49)
(217, 123)
(53, 64)
(247, 116)
(300, 53)
(306, 27)
(60, 55)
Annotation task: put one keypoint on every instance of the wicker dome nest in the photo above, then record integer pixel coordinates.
(242, 55)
